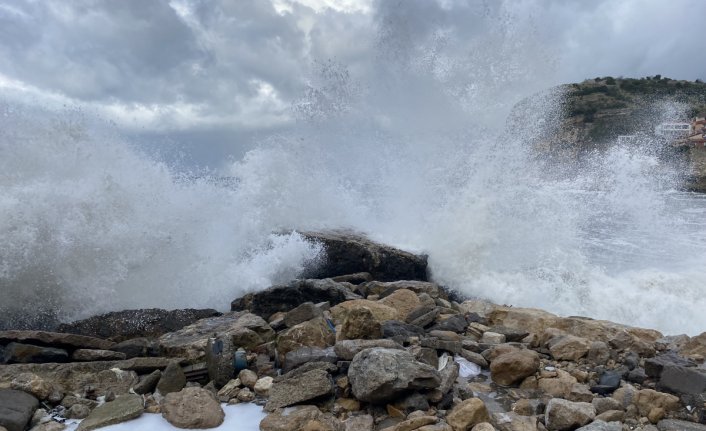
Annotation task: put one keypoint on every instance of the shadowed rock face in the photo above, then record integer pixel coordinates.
(122, 325)
(348, 253)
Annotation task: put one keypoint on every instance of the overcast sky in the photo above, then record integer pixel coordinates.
(216, 71)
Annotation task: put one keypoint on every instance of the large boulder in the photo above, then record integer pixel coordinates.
(349, 253)
(513, 366)
(28, 353)
(124, 408)
(293, 388)
(193, 408)
(563, 415)
(243, 329)
(682, 380)
(287, 297)
(16, 409)
(122, 325)
(677, 425)
(378, 375)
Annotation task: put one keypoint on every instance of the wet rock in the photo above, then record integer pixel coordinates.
(563, 415)
(400, 331)
(126, 324)
(123, 409)
(19, 353)
(33, 385)
(357, 278)
(682, 380)
(455, 323)
(289, 296)
(467, 414)
(302, 313)
(148, 383)
(678, 425)
(54, 339)
(305, 355)
(637, 376)
(297, 389)
(191, 341)
(16, 409)
(81, 355)
(172, 379)
(347, 349)
(137, 347)
(378, 375)
(192, 408)
(348, 253)
(360, 324)
(608, 383)
(513, 366)
(423, 316)
(312, 333)
(402, 300)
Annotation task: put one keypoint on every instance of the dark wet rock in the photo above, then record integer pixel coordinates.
(455, 323)
(137, 347)
(303, 355)
(20, 353)
(295, 389)
(347, 349)
(682, 380)
(289, 296)
(148, 383)
(172, 379)
(608, 382)
(379, 375)
(123, 409)
(54, 339)
(637, 376)
(81, 355)
(654, 366)
(357, 278)
(400, 331)
(511, 334)
(348, 253)
(123, 325)
(412, 402)
(302, 313)
(443, 345)
(678, 425)
(423, 315)
(425, 355)
(16, 409)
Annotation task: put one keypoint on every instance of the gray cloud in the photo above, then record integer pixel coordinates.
(181, 66)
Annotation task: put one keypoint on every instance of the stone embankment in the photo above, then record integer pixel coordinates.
(374, 346)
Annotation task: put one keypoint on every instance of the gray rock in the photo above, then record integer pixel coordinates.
(400, 331)
(602, 426)
(294, 390)
(378, 375)
(563, 415)
(677, 425)
(172, 379)
(97, 355)
(305, 355)
(19, 353)
(654, 366)
(123, 409)
(682, 380)
(289, 296)
(302, 313)
(347, 349)
(16, 409)
(192, 408)
(78, 411)
(148, 383)
(455, 323)
(598, 353)
(54, 339)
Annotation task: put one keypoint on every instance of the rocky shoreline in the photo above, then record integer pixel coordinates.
(363, 342)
